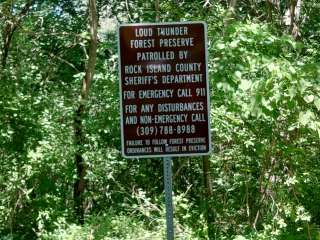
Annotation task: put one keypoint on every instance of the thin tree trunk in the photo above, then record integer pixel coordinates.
(209, 195)
(295, 30)
(7, 37)
(293, 4)
(291, 18)
(157, 9)
(270, 10)
(273, 6)
(9, 29)
(230, 13)
(233, 4)
(81, 166)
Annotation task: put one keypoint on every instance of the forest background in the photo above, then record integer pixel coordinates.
(61, 172)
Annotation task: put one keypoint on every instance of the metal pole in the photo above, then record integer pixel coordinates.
(167, 170)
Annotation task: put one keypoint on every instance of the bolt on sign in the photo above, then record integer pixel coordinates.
(164, 90)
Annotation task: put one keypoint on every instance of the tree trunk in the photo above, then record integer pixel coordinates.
(293, 4)
(291, 17)
(209, 193)
(81, 166)
(157, 9)
(269, 10)
(295, 30)
(7, 37)
(230, 13)
(9, 29)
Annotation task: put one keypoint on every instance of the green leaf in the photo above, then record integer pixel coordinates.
(305, 117)
(308, 98)
(245, 85)
(238, 74)
(317, 103)
(292, 92)
(304, 85)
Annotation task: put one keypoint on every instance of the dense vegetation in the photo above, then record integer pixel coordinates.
(61, 172)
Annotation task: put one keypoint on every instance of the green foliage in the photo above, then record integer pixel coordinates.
(265, 99)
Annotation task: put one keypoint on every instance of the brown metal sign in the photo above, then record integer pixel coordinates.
(164, 93)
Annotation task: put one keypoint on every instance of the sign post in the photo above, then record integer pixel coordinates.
(167, 172)
(164, 94)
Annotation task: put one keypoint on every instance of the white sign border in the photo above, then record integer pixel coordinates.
(207, 92)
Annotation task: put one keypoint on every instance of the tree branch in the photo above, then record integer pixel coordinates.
(9, 29)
